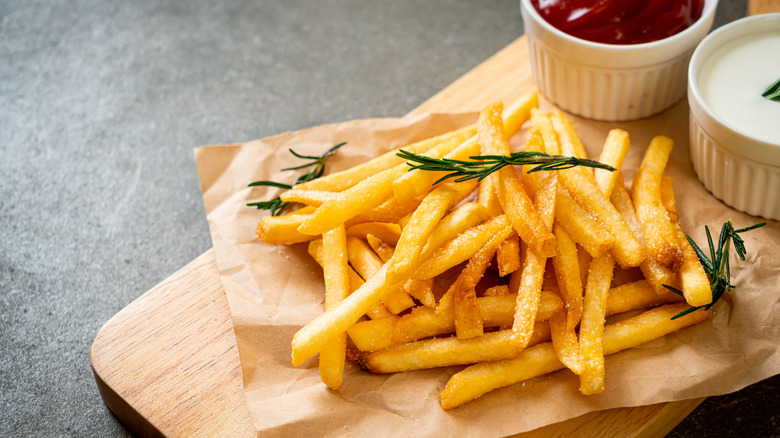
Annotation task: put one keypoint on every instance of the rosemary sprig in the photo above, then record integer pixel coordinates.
(484, 165)
(276, 205)
(773, 92)
(717, 265)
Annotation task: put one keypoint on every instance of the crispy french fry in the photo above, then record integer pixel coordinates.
(460, 249)
(382, 250)
(565, 343)
(422, 290)
(283, 230)
(390, 211)
(310, 339)
(422, 223)
(468, 215)
(438, 352)
(307, 197)
(695, 284)
(569, 140)
(592, 325)
(594, 237)
(496, 291)
(384, 231)
(468, 318)
(486, 197)
(372, 335)
(627, 250)
(345, 179)
(376, 311)
(508, 255)
(637, 295)
(333, 354)
(367, 263)
(660, 235)
(657, 274)
(543, 124)
(529, 286)
(538, 360)
(567, 272)
(511, 194)
(614, 152)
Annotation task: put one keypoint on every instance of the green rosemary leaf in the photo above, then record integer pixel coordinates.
(773, 92)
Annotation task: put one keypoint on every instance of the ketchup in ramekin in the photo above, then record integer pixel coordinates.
(620, 21)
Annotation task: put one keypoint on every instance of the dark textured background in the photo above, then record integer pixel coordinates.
(101, 104)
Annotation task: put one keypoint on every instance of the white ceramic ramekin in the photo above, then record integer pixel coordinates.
(610, 82)
(737, 167)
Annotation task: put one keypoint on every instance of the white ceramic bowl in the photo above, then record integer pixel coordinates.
(610, 82)
(737, 166)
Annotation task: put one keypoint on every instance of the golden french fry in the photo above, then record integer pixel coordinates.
(695, 285)
(657, 274)
(391, 211)
(496, 291)
(310, 339)
(283, 230)
(376, 311)
(468, 318)
(422, 290)
(487, 197)
(543, 124)
(569, 140)
(529, 285)
(660, 235)
(565, 343)
(367, 263)
(308, 197)
(567, 271)
(468, 215)
(438, 352)
(372, 335)
(333, 354)
(381, 249)
(592, 325)
(539, 360)
(461, 248)
(614, 152)
(511, 194)
(637, 295)
(627, 250)
(582, 228)
(384, 231)
(422, 223)
(345, 179)
(508, 255)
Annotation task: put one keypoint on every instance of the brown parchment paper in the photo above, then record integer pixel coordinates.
(272, 291)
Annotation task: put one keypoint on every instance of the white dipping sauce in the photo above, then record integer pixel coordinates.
(733, 78)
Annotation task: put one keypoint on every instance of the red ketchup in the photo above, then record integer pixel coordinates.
(620, 21)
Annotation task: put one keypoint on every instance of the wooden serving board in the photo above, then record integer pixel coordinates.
(168, 363)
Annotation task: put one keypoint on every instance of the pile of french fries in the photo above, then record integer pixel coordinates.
(513, 275)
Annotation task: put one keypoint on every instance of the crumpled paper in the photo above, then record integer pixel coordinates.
(272, 291)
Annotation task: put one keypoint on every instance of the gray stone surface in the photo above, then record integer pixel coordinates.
(101, 104)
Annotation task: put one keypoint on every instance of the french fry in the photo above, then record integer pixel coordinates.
(307, 197)
(594, 237)
(660, 235)
(567, 271)
(529, 286)
(381, 249)
(376, 311)
(422, 223)
(592, 325)
(508, 255)
(569, 140)
(367, 263)
(614, 152)
(565, 343)
(627, 250)
(468, 318)
(390, 211)
(511, 194)
(639, 294)
(468, 215)
(657, 274)
(695, 284)
(375, 334)
(461, 248)
(283, 230)
(422, 290)
(310, 339)
(333, 354)
(345, 179)
(438, 352)
(384, 231)
(540, 359)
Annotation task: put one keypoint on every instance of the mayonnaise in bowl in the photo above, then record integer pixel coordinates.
(734, 77)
